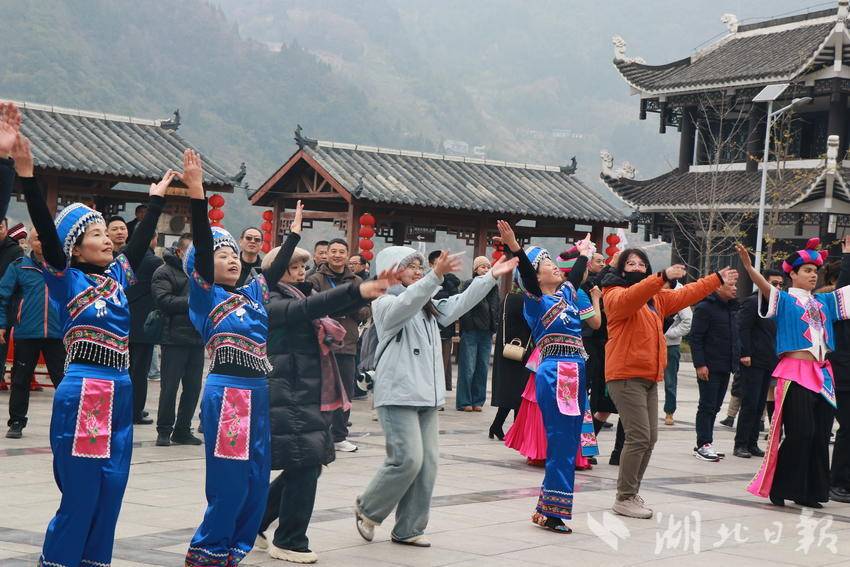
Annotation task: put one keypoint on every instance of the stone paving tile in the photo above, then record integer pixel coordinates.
(482, 503)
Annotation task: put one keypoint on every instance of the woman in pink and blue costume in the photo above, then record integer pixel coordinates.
(91, 430)
(554, 310)
(797, 467)
(235, 402)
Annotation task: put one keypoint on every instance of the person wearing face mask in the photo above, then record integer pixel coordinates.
(305, 388)
(233, 323)
(798, 468)
(410, 387)
(636, 304)
(91, 430)
(554, 308)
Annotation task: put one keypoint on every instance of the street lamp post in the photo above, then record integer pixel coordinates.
(771, 115)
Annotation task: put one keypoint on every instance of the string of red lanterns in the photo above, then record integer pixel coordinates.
(215, 214)
(366, 233)
(612, 240)
(266, 229)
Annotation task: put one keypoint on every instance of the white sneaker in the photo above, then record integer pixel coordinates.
(365, 526)
(345, 446)
(633, 507)
(706, 453)
(261, 542)
(291, 555)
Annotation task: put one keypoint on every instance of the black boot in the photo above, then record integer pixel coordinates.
(163, 439)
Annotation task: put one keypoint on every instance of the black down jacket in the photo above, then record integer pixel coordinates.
(300, 433)
(170, 289)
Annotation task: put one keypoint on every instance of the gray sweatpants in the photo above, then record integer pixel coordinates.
(406, 479)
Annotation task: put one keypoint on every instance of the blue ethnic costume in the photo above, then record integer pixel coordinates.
(796, 467)
(91, 430)
(235, 402)
(555, 322)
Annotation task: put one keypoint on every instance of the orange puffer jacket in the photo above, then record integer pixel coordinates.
(636, 347)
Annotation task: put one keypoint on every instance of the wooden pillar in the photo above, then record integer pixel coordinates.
(755, 137)
(480, 246)
(597, 235)
(686, 142)
(662, 126)
(352, 228)
(277, 209)
(837, 116)
(399, 230)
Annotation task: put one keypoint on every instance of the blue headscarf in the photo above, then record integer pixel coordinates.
(535, 255)
(72, 222)
(221, 238)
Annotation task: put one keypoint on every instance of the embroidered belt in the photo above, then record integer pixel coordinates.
(561, 345)
(98, 346)
(232, 348)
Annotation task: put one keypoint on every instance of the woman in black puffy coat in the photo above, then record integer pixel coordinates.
(301, 440)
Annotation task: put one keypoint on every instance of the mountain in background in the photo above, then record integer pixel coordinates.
(528, 81)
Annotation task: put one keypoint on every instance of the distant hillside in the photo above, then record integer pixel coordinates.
(238, 100)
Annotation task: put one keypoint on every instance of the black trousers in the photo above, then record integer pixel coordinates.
(23, 366)
(755, 382)
(141, 355)
(802, 467)
(291, 498)
(840, 472)
(711, 394)
(339, 422)
(180, 365)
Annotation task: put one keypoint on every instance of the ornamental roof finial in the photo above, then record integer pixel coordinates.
(842, 10)
(731, 21)
(832, 153)
(620, 51)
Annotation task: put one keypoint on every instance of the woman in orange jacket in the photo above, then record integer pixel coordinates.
(636, 355)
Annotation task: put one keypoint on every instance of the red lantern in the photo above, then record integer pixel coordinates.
(266, 226)
(268, 216)
(267, 237)
(216, 215)
(367, 219)
(367, 255)
(366, 232)
(497, 254)
(612, 239)
(216, 201)
(266, 247)
(366, 244)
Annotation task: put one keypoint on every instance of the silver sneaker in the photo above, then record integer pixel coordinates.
(632, 507)
(706, 453)
(345, 446)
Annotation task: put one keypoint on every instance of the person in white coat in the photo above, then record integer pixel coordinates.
(410, 387)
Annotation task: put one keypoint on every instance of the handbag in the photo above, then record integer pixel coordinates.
(513, 350)
(153, 326)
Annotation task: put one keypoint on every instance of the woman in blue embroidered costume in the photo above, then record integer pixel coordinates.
(235, 403)
(554, 311)
(91, 431)
(798, 468)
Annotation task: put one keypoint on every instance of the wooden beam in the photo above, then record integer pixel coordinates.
(352, 228)
(318, 215)
(276, 210)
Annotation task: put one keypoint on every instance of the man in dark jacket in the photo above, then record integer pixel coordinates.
(333, 273)
(249, 256)
(715, 352)
(840, 359)
(757, 337)
(182, 349)
(477, 327)
(451, 286)
(37, 330)
(10, 250)
(141, 346)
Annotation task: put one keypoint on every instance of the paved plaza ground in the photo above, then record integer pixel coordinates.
(483, 500)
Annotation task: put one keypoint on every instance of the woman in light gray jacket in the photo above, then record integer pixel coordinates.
(410, 387)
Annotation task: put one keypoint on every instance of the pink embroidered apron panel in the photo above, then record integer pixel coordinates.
(233, 440)
(93, 434)
(567, 388)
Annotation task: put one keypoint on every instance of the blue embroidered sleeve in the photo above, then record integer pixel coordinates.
(201, 300)
(121, 271)
(258, 289)
(840, 303)
(585, 306)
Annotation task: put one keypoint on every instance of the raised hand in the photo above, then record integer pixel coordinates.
(503, 266)
(507, 235)
(729, 275)
(297, 221)
(675, 272)
(595, 293)
(585, 246)
(22, 154)
(615, 258)
(372, 289)
(10, 127)
(744, 255)
(448, 263)
(193, 174)
(159, 189)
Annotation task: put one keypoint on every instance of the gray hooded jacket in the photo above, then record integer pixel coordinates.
(410, 368)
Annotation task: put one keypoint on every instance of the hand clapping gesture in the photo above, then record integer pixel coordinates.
(158, 189)
(507, 235)
(10, 127)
